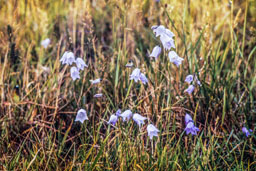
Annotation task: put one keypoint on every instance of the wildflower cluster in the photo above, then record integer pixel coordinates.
(69, 58)
(166, 37)
(137, 118)
(190, 79)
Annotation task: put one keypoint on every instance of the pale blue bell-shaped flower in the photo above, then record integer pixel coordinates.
(98, 95)
(45, 43)
(113, 119)
(191, 128)
(129, 65)
(174, 58)
(63, 58)
(68, 58)
(162, 31)
(167, 42)
(152, 131)
(189, 79)
(135, 75)
(80, 64)
(97, 81)
(118, 112)
(156, 52)
(169, 33)
(158, 30)
(81, 116)
(190, 89)
(126, 115)
(166, 36)
(74, 73)
(246, 131)
(138, 119)
(143, 78)
(188, 119)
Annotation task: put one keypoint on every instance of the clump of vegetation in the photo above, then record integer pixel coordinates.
(91, 85)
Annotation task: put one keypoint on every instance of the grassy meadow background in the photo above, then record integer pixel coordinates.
(39, 100)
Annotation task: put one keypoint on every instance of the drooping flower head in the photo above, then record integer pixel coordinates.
(118, 112)
(45, 43)
(190, 89)
(188, 119)
(167, 42)
(139, 119)
(97, 81)
(137, 75)
(246, 131)
(126, 115)
(156, 52)
(169, 33)
(80, 64)
(162, 31)
(174, 58)
(98, 95)
(74, 73)
(158, 30)
(152, 131)
(113, 119)
(143, 78)
(189, 78)
(68, 58)
(191, 128)
(81, 116)
(166, 36)
(129, 65)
